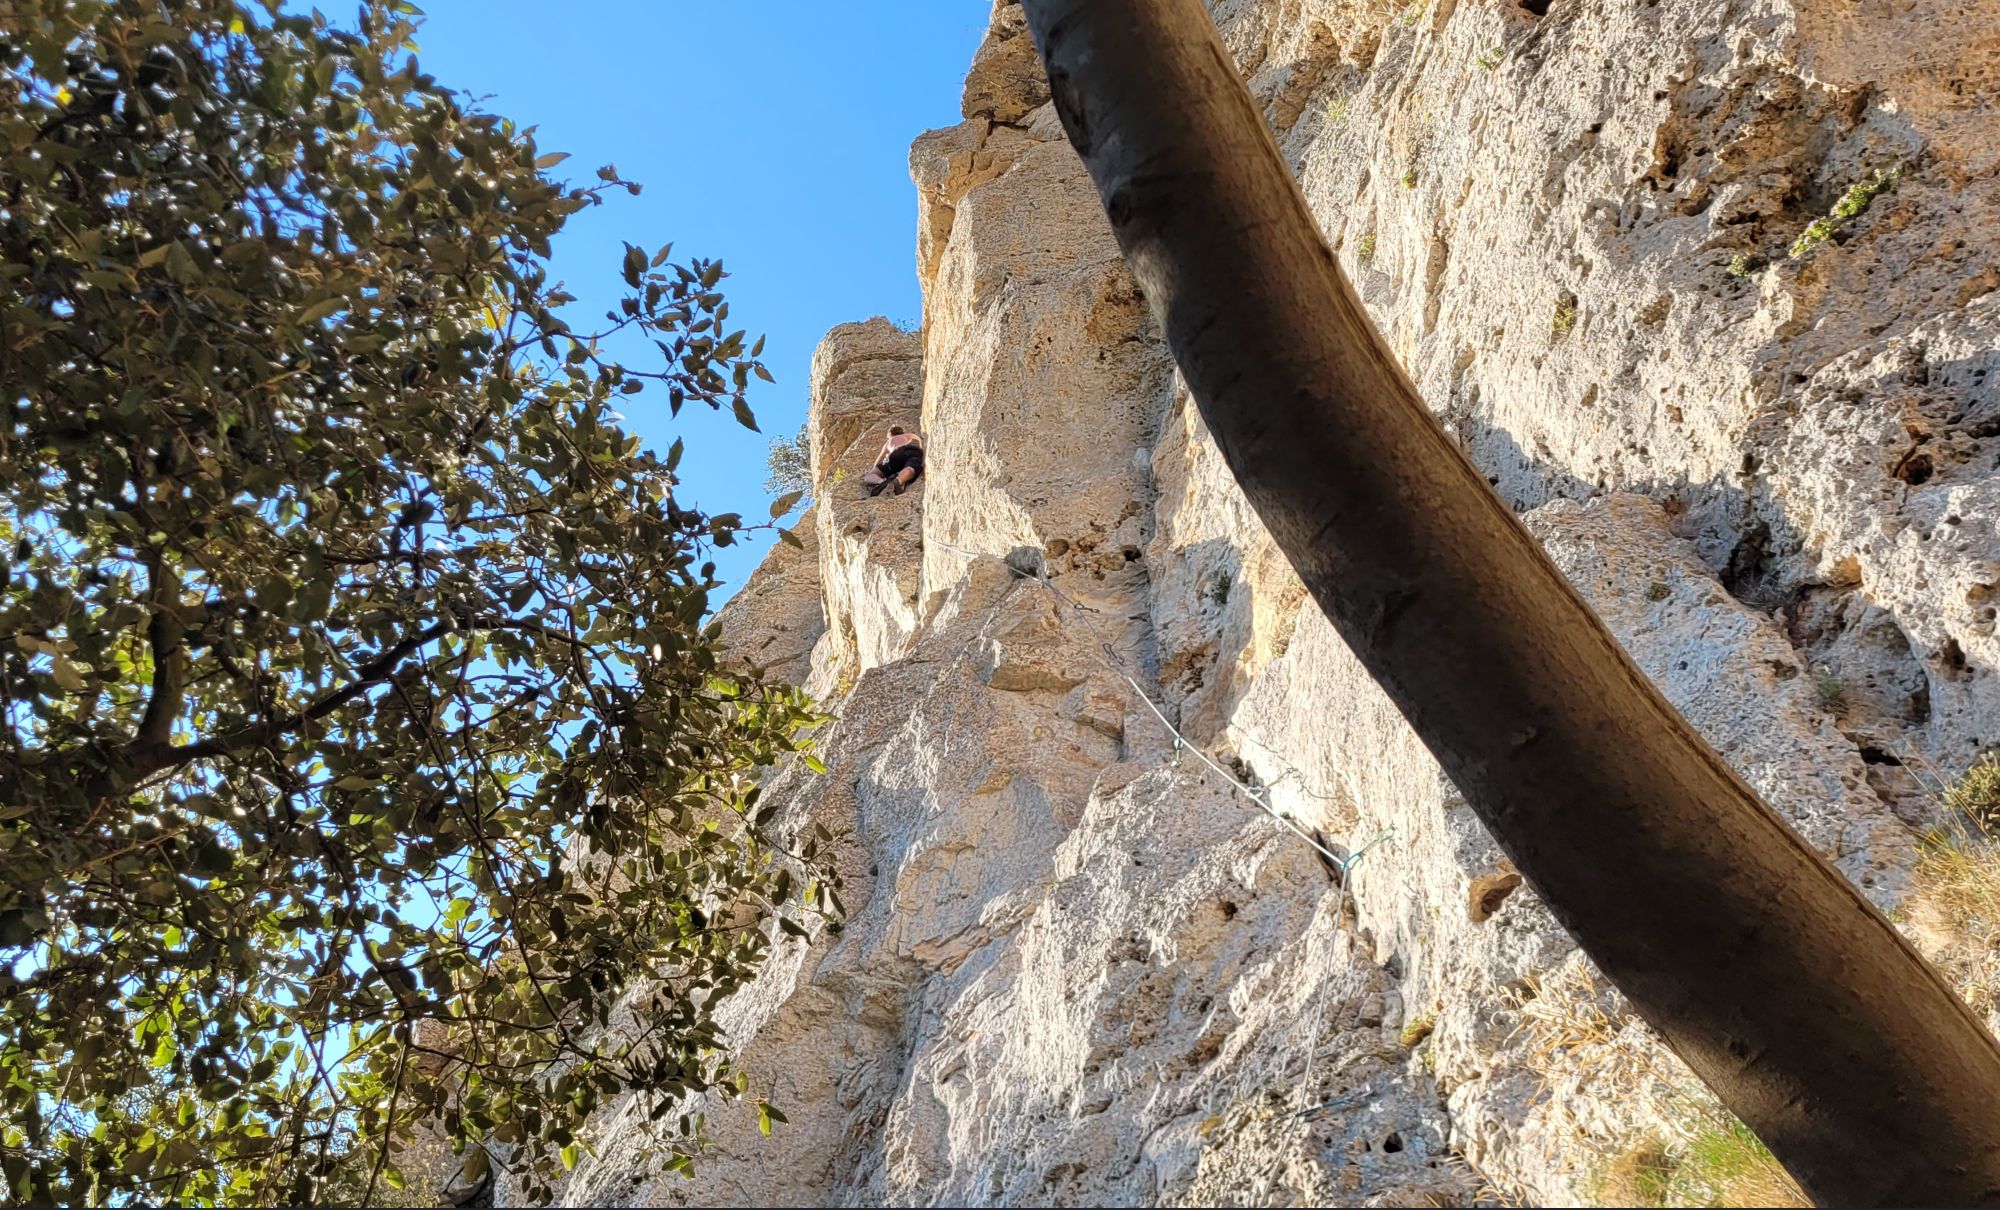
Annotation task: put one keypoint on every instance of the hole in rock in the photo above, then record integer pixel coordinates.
(1952, 656)
(1488, 892)
(1915, 468)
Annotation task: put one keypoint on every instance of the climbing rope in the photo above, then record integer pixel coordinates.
(1343, 865)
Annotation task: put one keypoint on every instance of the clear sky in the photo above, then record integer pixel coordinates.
(772, 134)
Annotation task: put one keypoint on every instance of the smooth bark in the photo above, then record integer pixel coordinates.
(1784, 989)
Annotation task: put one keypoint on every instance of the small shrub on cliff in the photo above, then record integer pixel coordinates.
(1953, 912)
(1417, 1030)
(358, 681)
(1637, 1175)
(790, 464)
(1856, 200)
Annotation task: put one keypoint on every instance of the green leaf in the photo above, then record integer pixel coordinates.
(743, 414)
(301, 453)
(320, 310)
(785, 503)
(551, 159)
(181, 264)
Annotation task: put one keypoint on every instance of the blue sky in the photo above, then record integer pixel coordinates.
(772, 134)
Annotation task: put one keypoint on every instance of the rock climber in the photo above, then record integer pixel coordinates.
(901, 462)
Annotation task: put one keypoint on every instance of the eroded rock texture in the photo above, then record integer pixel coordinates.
(1080, 967)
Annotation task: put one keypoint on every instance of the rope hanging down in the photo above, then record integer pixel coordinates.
(1181, 742)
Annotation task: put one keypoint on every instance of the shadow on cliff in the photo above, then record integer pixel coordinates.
(1881, 685)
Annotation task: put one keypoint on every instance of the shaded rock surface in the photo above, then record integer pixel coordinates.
(1082, 968)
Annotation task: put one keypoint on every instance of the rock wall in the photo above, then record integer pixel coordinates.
(1081, 966)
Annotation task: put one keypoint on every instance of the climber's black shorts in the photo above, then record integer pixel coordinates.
(911, 456)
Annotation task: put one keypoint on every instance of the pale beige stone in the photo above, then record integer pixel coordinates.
(1079, 968)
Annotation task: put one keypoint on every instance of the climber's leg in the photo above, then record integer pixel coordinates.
(905, 464)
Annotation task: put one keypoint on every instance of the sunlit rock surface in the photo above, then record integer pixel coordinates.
(1080, 968)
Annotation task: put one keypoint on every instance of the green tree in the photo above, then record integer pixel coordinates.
(365, 740)
(790, 464)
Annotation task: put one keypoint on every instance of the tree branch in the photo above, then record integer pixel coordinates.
(166, 637)
(368, 676)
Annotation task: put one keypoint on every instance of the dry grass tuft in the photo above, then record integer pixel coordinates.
(1682, 1148)
(1695, 1153)
(1724, 1164)
(1711, 1160)
(1636, 1176)
(1566, 1011)
(1976, 796)
(1953, 911)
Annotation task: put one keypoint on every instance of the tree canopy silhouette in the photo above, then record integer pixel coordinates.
(365, 738)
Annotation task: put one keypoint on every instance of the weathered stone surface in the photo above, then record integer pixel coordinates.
(1006, 81)
(1079, 967)
(1072, 972)
(776, 618)
(866, 377)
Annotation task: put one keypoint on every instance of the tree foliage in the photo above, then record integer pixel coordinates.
(790, 464)
(365, 739)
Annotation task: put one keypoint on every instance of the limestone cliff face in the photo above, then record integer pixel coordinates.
(1081, 967)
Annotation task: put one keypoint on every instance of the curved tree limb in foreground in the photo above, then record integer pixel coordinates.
(1779, 984)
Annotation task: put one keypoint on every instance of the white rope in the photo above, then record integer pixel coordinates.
(1343, 864)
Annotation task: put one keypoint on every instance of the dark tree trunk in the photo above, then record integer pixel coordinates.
(1805, 1011)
